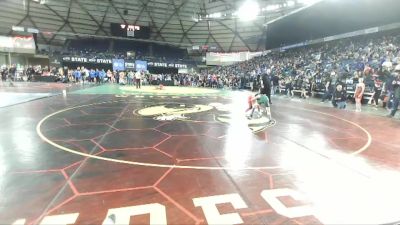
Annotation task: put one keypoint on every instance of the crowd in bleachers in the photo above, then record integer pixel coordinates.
(25, 73)
(316, 69)
(319, 69)
(339, 61)
(310, 70)
(198, 80)
(93, 48)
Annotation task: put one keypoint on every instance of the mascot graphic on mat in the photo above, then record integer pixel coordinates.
(192, 112)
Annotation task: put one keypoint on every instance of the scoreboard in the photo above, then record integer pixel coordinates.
(130, 31)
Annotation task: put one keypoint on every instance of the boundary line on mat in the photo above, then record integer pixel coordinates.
(44, 138)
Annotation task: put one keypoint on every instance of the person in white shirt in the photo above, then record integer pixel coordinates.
(122, 77)
(138, 77)
(109, 76)
(359, 93)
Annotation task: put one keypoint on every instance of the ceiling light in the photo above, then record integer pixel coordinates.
(40, 1)
(33, 30)
(18, 29)
(307, 2)
(271, 8)
(248, 11)
(216, 15)
(290, 3)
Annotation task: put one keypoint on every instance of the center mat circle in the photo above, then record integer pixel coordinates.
(240, 167)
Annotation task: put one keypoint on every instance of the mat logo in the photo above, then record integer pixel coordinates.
(158, 212)
(171, 117)
(256, 125)
(173, 111)
(222, 114)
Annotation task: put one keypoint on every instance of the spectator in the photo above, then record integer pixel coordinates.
(130, 77)
(377, 90)
(138, 77)
(110, 76)
(328, 90)
(340, 97)
(359, 93)
(396, 95)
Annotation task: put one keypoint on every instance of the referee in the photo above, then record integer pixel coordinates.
(266, 87)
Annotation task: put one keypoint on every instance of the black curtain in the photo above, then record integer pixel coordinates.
(162, 70)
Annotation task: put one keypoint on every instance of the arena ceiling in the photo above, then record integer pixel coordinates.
(181, 22)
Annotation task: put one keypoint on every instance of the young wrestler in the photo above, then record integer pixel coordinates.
(260, 101)
(263, 102)
(249, 102)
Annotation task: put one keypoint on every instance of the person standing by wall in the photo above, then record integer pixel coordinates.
(12, 72)
(30, 72)
(359, 93)
(92, 75)
(4, 72)
(396, 95)
(97, 76)
(116, 76)
(275, 83)
(304, 87)
(122, 77)
(84, 74)
(377, 91)
(340, 97)
(138, 77)
(130, 77)
(102, 75)
(109, 76)
(328, 90)
(77, 75)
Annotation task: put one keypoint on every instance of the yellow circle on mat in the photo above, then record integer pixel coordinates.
(170, 90)
(77, 152)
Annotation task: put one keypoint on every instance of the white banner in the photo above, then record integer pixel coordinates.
(224, 58)
(221, 59)
(183, 71)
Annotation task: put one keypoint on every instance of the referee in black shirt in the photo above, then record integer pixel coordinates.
(266, 87)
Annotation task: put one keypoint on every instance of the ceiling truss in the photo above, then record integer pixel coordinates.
(171, 21)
